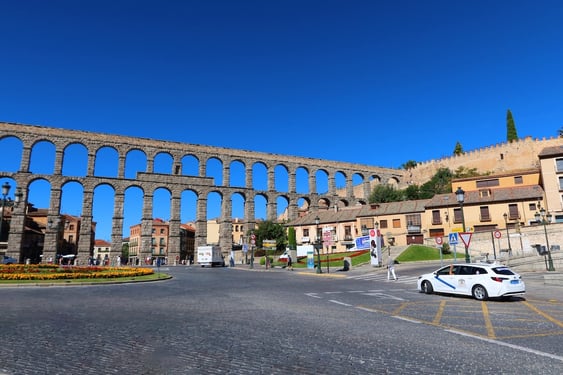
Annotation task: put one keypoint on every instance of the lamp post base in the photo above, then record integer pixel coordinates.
(550, 266)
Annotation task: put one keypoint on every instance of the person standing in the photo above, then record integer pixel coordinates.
(391, 268)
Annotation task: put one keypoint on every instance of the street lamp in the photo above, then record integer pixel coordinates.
(460, 197)
(507, 234)
(5, 190)
(318, 245)
(541, 215)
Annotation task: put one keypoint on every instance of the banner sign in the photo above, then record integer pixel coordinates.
(375, 247)
(362, 243)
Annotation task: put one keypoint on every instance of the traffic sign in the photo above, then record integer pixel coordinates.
(453, 239)
(466, 238)
(269, 243)
(497, 234)
(438, 240)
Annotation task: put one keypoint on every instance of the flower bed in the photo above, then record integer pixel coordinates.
(55, 272)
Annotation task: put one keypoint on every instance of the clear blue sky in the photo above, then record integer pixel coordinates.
(373, 82)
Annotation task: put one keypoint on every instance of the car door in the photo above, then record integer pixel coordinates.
(446, 279)
(465, 279)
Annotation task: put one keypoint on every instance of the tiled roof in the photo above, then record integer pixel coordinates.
(496, 196)
(328, 216)
(350, 214)
(551, 151)
(101, 243)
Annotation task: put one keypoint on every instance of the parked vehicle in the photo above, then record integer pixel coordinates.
(210, 256)
(8, 260)
(480, 280)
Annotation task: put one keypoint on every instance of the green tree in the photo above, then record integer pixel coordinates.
(511, 134)
(411, 164)
(463, 172)
(385, 193)
(412, 192)
(268, 230)
(125, 252)
(458, 150)
(440, 183)
(291, 238)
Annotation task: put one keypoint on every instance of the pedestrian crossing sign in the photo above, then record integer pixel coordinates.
(453, 239)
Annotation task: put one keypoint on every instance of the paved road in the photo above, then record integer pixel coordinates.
(236, 321)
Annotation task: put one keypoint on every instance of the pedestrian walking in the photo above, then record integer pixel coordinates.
(391, 268)
(289, 262)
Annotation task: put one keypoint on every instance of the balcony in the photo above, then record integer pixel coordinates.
(411, 229)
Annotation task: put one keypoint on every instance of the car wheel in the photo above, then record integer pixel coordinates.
(427, 287)
(480, 293)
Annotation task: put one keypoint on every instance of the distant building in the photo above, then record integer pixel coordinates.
(102, 253)
(159, 243)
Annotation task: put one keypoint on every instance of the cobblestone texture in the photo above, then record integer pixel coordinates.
(222, 321)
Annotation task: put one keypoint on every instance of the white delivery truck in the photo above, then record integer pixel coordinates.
(210, 256)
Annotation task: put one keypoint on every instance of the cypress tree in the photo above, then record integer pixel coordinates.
(458, 150)
(511, 134)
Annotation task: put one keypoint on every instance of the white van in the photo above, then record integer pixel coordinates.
(210, 256)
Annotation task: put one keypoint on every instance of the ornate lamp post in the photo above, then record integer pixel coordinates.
(507, 234)
(546, 219)
(460, 197)
(318, 245)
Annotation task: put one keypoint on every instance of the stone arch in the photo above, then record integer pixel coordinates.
(106, 162)
(75, 151)
(163, 162)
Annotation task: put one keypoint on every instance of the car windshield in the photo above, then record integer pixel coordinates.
(503, 271)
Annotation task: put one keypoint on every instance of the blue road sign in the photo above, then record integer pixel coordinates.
(453, 239)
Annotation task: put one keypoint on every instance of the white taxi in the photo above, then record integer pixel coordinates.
(480, 280)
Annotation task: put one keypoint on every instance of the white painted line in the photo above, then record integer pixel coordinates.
(339, 303)
(367, 309)
(407, 320)
(314, 295)
(384, 295)
(517, 347)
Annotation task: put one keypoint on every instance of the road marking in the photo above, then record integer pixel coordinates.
(548, 317)
(384, 295)
(501, 343)
(407, 320)
(488, 323)
(439, 313)
(339, 303)
(314, 295)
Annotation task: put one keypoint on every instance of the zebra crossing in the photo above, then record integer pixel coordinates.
(411, 280)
